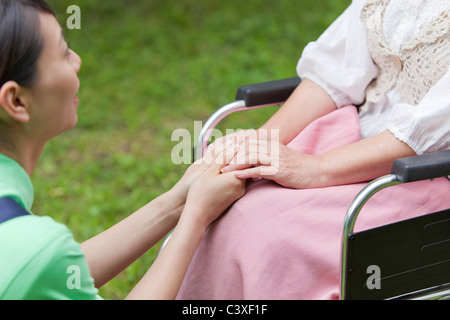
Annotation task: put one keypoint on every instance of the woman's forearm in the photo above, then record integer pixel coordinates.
(208, 197)
(365, 160)
(362, 161)
(307, 103)
(163, 280)
(113, 250)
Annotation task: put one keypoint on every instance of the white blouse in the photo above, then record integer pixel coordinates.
(340, 62)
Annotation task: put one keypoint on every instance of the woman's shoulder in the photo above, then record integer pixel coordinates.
(32, 236)
(32, 226)
(42, 255)
(40, 236)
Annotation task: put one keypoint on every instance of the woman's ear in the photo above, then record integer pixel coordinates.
(14, 101)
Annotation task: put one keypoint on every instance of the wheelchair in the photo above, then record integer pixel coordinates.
(414, 254)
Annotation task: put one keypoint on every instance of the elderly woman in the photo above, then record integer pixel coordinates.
(282, 240)
(39, 259)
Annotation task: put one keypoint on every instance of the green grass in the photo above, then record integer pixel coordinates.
(150, 67)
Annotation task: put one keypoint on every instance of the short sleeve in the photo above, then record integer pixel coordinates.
(67, 275)
(339, 61)
(44, 262)
(426, 126)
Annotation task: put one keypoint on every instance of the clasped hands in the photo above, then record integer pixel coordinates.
(218, 179)
(258, 154)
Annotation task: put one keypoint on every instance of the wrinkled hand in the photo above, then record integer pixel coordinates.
(264, 157)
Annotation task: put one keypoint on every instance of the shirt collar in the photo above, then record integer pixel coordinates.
(15, 182)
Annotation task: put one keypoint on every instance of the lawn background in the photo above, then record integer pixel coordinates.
(150, 67)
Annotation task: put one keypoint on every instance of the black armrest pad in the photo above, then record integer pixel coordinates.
(423, 167)
(271, 92)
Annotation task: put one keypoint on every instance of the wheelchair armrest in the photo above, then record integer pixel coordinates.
(272, 92)
(423, 167)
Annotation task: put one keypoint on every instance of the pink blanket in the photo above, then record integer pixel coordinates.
(278, 243)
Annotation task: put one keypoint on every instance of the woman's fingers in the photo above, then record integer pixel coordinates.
(220, 156)
(233, 139)
(261, 172)
(254, 153)
(243, 150)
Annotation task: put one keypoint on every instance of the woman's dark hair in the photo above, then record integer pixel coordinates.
(20, 39)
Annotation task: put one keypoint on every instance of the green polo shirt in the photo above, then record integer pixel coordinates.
(39, 258)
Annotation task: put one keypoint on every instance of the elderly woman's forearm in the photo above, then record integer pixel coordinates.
(307, 103)
(364, 160)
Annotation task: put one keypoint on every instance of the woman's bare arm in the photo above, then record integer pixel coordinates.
(307, 103)
(113, 250)
(356, 162)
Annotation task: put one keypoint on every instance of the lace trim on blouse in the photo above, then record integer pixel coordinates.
(421, 62)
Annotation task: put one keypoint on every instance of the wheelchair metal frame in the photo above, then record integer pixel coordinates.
(245, 100)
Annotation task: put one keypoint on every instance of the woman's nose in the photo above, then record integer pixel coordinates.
(76, 61)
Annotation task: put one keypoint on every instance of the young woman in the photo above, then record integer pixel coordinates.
(39, 259)
(282, 240)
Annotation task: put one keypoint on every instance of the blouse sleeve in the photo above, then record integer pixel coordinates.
(426, 126)
(339, 61)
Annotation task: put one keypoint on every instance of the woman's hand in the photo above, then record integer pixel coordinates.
(181, 188)
(360, 161)
(199, 167)
(213, 191)
(210, 194)
(261, 157)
